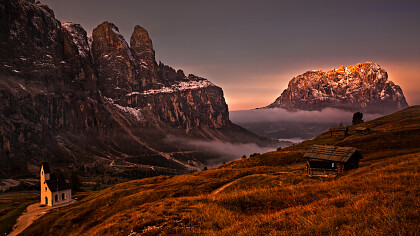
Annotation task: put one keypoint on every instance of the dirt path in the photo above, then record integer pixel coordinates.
(5, 184)
(218, 190)
(32, 213)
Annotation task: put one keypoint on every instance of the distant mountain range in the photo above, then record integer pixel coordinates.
(330, 96)
(82, 101)
(363, 87)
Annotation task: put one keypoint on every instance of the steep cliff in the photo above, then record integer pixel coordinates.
(144, 55)
(44, 86)
(362, 87)
(80, 101)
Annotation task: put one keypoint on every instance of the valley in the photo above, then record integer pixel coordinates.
(98, 136)
(267, 193)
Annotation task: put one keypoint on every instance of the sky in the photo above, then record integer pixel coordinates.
(251, 49)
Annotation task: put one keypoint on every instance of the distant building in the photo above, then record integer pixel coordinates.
(54, 189)
(331, 158)
(339, 131)
(362, 130)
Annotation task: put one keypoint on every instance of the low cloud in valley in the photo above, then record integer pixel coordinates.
(327, 115)
(220, 151)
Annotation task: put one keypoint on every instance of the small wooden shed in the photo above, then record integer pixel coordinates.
(331, 158)
(339, 131)
(362, 130)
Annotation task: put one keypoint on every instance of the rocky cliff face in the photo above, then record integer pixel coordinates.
(114, 61)
(362, 87)
(80, 101)
(144, 55)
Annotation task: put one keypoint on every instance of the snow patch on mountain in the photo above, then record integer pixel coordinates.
(127, 48)
(179, 86)
(133, 111)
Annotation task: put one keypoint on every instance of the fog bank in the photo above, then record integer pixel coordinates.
(220, 151)
(327, 115)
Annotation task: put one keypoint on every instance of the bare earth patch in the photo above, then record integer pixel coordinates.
(32, 213)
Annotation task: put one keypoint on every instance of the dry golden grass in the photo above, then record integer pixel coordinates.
(268, 195)
(391, 135)
(382, 198)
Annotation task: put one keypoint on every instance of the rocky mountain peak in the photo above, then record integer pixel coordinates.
(361, 87)
(114, 61)
(45, 7)
(107, 38)
(29, 35)
(365, 72)
(79, 37)
(81, 101)
(142, 47)
(144, 55)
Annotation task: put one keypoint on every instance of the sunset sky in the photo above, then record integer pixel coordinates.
(253, 48)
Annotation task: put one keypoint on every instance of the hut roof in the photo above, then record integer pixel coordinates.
(46, 167)
(362, 128)
(339, 128)
(330, 153)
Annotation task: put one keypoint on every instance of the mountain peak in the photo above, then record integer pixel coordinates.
(107, 33)
(361, 87)
(142, 47)
(358, 68)
(109, 25)
(140, 36)
(114, 61)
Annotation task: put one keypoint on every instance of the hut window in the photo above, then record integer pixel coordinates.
(332, 165)
(45, 189)
(56, 198)
(63, 196)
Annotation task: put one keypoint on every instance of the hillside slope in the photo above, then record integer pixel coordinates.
(268, 193)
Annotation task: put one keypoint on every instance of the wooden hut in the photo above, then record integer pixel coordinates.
(362, 130)
(339, 131)
(331, 158)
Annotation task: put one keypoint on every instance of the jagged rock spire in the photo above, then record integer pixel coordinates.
(144, 55)
(113, 60)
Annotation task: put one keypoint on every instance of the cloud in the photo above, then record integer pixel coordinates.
(220, 151)
(327, 115)
(217, 152)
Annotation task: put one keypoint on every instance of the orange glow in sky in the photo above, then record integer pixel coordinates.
(252, 49)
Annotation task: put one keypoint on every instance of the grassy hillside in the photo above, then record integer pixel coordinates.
(269, 193)
(395, 134)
